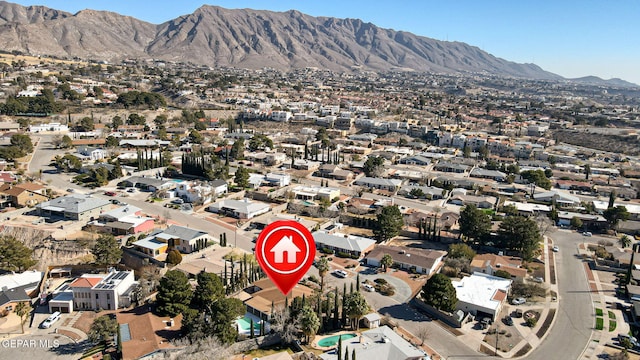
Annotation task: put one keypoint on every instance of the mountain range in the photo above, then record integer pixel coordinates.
(245, 38)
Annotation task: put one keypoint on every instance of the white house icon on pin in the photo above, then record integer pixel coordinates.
(285, 245)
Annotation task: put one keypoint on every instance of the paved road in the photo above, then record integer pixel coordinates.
(570, 334)
(44, 153)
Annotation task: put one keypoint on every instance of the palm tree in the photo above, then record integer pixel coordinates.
(625, 241)
(22, 310)
(386, 261)
(323, 268)
(309, 322)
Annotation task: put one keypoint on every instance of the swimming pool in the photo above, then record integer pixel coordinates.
(333, 340)
(245, 323)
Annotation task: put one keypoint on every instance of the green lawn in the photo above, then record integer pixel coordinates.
(599, 312)
(612, 325)
(599, 323)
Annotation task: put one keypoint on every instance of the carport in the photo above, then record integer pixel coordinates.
(62, 302)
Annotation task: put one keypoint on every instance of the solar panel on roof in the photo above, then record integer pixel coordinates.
(125, 333)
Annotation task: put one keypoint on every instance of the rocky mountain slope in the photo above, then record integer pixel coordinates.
(244, 38)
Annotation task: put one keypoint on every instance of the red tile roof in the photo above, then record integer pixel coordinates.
(85, 282)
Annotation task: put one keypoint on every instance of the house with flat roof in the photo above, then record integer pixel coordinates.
(151, 184)
(184, 239)
(124, 220)
(422, 261)
(350, 244)
(240, 209)
(312, 193)
(528, 209)
(381, 343)
(379, 183)
(102, 291)
(79, 207)
(481, 294)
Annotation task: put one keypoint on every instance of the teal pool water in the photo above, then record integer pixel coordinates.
(245, 323)
(308, 203)
(333, 340)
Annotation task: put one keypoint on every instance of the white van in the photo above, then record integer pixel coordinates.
(50, 320)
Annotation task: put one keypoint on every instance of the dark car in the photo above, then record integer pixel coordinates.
(508, 320)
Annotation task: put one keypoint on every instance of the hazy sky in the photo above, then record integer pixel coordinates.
(567, 37)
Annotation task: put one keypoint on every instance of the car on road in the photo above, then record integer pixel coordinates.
(110, 193)
(556, 249)
(587, 233)
(131, 190)
(177, 201)
(508, 320)
(70, 190)
(50, 320)
(340, 273)
(518, 301)
(369, 288)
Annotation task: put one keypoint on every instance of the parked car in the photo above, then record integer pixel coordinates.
(110, 193)
(632, 340)
(50, 320)
(131, 190)
(538, 279)
(518, 301)
(177, 201)
(508, 320)
(70, 190)
(587, 233)
(368, 287)
(556, 249)
(340, 273)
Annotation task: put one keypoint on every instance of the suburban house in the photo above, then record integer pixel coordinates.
(146, 335)
(379, 183)
(91, 153)
(490, 263)
(481, 202)
(17, 288)
(349, 244)
(430, 192)
(150, 184)
(263, 296)
(201, 192)
(53, 127)
(240, 209)
(99, 291)
(380, 343)
(73, 207)
(21, 195)
(488, 174)
(528, 209)
(184, 239)
(277, 179)
(561, 198)
(124, 220)
(589, 221)
(312, 193)
(421, 261)
(481, 294)
(334, 172)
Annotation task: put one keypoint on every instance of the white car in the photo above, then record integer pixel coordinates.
(50, 320)
(340, 273)
(368, 287)
(556, 249)
(587, 233)
(518, 301)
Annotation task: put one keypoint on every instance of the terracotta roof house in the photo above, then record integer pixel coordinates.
(144, 334)
(264, 297)
(490, 263)
(421, 261)
(21, 195)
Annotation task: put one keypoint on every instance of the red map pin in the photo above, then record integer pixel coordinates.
(285, 250)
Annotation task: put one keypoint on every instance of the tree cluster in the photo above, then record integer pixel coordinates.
(440, 293)
(204, 165)
(141, 99)
(14, 255)
(389, 223)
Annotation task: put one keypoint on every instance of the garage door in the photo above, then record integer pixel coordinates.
(62, 309)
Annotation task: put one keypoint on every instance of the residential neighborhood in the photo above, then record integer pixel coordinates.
(446, 223)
